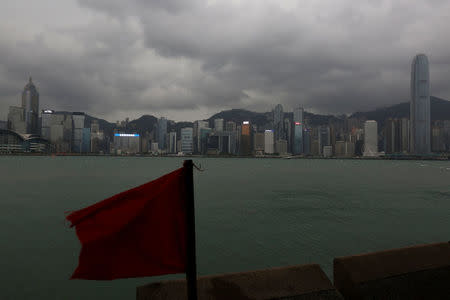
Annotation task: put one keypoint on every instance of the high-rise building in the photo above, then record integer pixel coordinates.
(230, 126)
(162, 132)
(370, 138)
(16, 119)
(126, 142)
(420, 106)
(269, 147)
(78, 125)
(324, 137)
(258, 142)
(278, 119)
(198, 125)
(30, 104)
(281, 147)
(187, 140)
(218, 125)
(297, 144)
(246, 142)
(173, 142)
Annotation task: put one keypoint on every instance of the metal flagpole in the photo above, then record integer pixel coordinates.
(191, 265)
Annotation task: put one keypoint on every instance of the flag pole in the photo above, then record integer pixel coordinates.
(191, 265)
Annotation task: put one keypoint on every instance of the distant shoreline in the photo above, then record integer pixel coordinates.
(406, 157)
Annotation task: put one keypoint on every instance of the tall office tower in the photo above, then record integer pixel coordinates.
(97, 138)
(420, 106)
(30, 103)
(230, 126)
(16, 119)
(370, 138)
(307, 141)
(162, 132)
(218, 125)
(46, 123)
(269, 143)
(78, 125)
(297, 144)
(324, 137)
(173, 142)
(405, 135)
(258, 142)
(187, 140)
(246, 142)
(278, 125)
(288, 133)
(198, 125)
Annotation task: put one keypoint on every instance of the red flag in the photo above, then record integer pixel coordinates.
(139, 232)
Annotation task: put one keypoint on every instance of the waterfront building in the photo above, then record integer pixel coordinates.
(327, 151)
(269, 142)
(173, 142)
(278, 125)
(344, 149)
(97, 138)
(78, 119)
(3, 125)
(126, 142)
(203, 139)
(288, 133)
(154, 147)
(230, 126)
(370, 138)
(324, 137)
(315, 147)
(198, 125)
(162, 132)
(16, 119)
(187, 140)
(13, 142)
(258, 142)
(86, 143)
(306, 141)
(246, 142)
(218, 125)
(420, 119)
(297, 144)
(30, 104)
(281, 147)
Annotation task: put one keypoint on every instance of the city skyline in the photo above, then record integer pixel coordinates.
(186, 60)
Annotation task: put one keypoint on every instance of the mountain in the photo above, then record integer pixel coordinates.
(264, 119)
(440, 110)
(143, 124)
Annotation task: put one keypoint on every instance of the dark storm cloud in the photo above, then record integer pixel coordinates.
(189, 59)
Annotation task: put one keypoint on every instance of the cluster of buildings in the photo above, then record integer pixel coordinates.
(282, 134)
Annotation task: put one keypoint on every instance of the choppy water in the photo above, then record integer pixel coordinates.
(250, 214)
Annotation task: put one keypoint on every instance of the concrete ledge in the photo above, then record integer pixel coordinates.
(417, 272)
(295, 282)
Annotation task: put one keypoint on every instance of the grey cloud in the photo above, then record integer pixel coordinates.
(183, 56)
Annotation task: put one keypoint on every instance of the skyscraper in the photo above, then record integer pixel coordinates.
(187, 140)
(246, 145)
(278, 119)
(297, 146)
(370, 138)
(420, 106)
(162, 132)
(30, 103)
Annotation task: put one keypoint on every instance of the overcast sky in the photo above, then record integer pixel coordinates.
(188, 59)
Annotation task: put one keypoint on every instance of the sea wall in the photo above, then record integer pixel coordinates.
(416, 272)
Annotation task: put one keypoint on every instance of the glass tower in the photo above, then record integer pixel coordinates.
(30, 104)
(420, 106)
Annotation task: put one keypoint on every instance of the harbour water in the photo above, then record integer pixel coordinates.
(250, 214)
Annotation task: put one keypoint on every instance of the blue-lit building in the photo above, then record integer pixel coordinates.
(420, 119)
(86, 144)
(126, 143)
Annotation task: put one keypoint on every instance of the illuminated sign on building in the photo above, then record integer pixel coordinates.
(48, 111)
(298, 123)
(269, 130)
(246, 122)
(126, 134)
